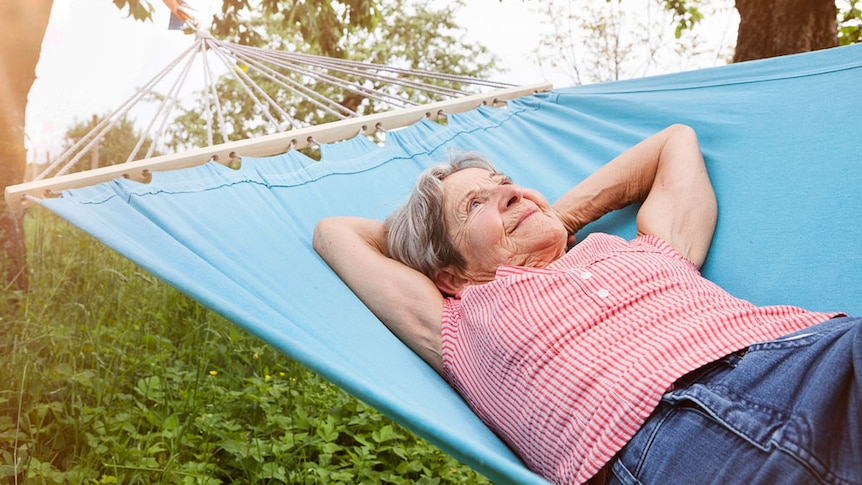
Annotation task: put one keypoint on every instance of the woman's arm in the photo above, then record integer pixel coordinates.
(405, 300)
(665, 173)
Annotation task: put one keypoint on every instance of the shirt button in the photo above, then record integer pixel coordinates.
(586, 275)
(604, 293)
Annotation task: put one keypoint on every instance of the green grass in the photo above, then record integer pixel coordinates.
(110, 376)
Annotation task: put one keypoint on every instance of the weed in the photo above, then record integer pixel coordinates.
(111, 376)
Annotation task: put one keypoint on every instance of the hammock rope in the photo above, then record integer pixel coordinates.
(335, 81)
(369, 75)
(363, 67)
(290, 74)
(212, 93)
(164, 109)
(253, 91)
(297, 88)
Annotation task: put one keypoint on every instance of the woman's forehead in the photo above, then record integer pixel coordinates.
(469, 177)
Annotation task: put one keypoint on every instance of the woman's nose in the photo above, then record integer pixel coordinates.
(509, 195)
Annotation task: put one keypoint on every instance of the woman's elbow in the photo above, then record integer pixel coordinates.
(682, 131)
(322, 236)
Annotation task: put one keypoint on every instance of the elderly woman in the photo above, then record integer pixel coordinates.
(613, 360)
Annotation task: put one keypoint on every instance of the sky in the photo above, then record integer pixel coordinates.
(94, 58)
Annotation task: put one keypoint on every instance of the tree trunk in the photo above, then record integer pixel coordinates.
(22, 26)
(769, 28)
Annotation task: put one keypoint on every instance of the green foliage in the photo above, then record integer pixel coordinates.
(849, 22)
(321, 23)
(686, 14)
(402, 39)
(138, 9)
(608, 40)
(110, 376)
(421, 36)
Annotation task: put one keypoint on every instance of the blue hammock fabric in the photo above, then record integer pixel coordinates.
(780, 138)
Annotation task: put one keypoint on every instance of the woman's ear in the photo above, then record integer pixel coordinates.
(449, 281)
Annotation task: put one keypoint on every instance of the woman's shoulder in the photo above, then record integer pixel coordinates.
(605, 242)
(597, 246)
(658, 244)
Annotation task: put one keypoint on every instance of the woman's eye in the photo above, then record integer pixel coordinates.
(474, 204)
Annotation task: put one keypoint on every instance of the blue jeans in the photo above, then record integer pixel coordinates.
(787, 411)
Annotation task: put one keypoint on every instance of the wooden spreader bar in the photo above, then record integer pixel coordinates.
(26, 194)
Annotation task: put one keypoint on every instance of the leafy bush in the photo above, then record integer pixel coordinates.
(110, 376)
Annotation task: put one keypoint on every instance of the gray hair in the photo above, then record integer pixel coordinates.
(417, 232)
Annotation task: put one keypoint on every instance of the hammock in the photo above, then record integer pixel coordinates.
(780, 138)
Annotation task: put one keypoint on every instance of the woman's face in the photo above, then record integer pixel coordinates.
(493, 223)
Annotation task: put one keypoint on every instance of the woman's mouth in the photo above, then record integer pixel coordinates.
(526, 215)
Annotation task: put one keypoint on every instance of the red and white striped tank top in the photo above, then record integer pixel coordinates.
(566, 362)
